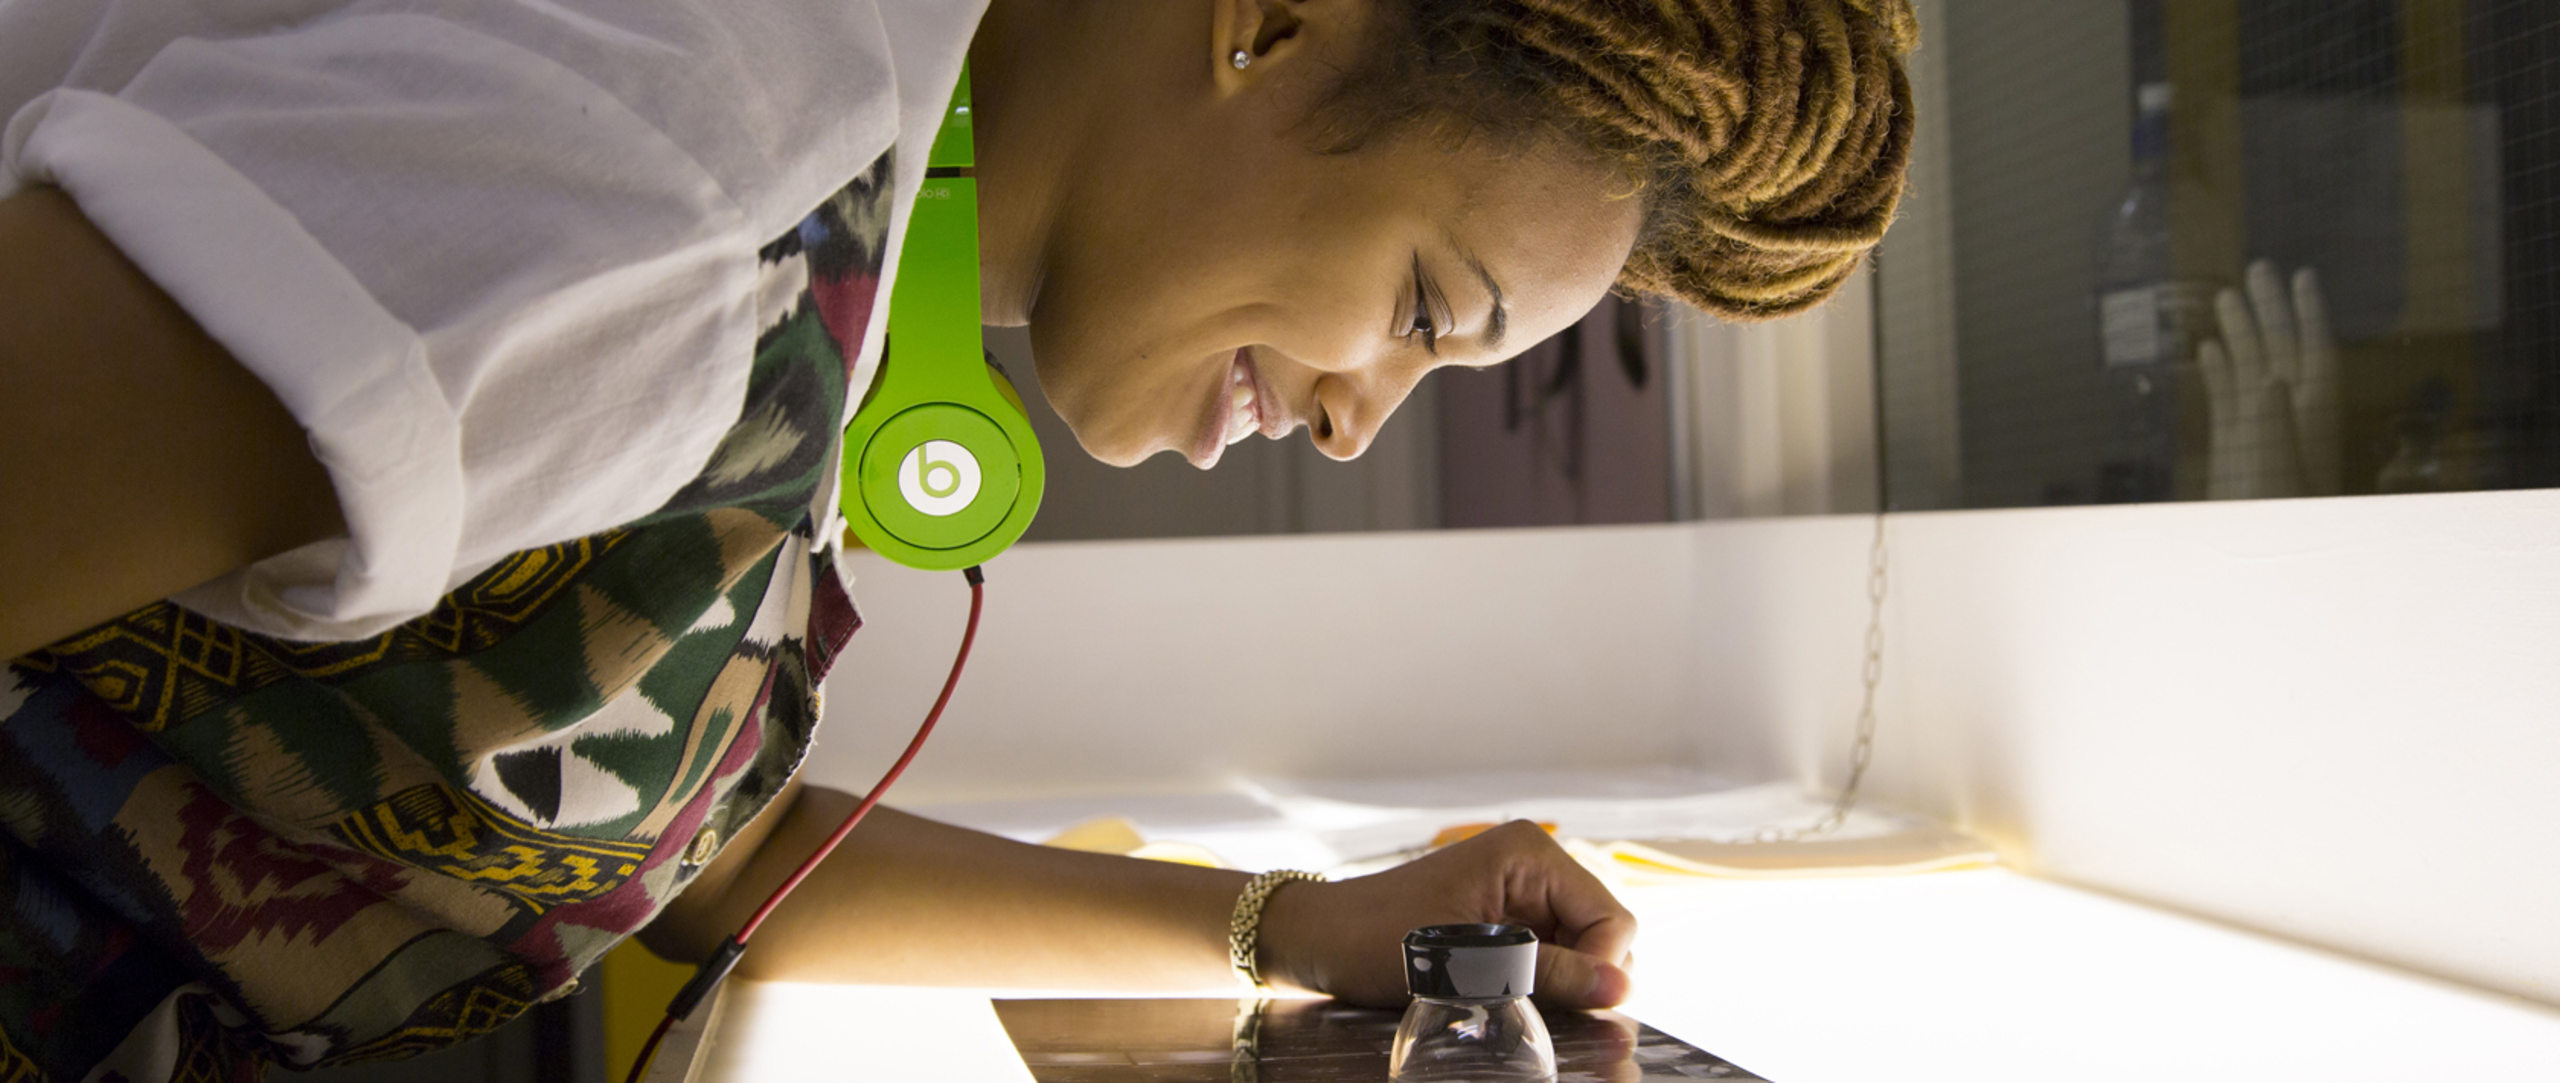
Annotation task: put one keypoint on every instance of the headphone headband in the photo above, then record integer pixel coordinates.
(941, 469)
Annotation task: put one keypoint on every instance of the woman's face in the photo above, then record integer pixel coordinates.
(1213, 277)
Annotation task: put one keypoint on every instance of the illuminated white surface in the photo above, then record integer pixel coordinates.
(787, 1032)
(1989, 975)
(1974, 976)
(1964, 976)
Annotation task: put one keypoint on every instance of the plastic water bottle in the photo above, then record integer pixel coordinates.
(2149, 320)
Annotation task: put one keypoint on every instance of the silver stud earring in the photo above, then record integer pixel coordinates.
(1240, 59)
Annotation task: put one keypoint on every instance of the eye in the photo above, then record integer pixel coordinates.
(1423, 323)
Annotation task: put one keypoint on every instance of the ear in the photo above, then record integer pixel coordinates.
(1271, 34)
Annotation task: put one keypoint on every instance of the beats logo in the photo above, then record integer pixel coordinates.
(938, 477)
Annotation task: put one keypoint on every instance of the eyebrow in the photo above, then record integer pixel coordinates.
(1500, 320)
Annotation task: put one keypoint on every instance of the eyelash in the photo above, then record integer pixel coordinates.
(1423, 323)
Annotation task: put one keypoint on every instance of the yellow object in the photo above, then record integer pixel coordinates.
(1929, 848)
(1108, 835)
(1451, 836)
(637, 986)
(1114, 835)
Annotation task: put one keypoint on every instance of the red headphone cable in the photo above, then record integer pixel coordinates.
(708, 976)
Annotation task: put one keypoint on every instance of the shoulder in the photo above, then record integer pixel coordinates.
(779, 100)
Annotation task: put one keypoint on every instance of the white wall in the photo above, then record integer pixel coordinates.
(2332, 720)
(1177, 664)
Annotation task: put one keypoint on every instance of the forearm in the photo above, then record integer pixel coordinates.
(907, 900)
(136, 457)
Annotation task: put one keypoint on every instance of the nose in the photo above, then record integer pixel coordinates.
(1351, 408)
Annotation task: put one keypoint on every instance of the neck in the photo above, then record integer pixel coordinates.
(1018, 66)
(1053, 83)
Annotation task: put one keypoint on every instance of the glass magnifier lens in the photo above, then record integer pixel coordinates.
(1471, 1018)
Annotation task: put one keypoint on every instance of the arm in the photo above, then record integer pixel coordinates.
(137, 459)
(906, 900)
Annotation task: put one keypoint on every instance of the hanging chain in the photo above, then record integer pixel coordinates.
(1870, 674)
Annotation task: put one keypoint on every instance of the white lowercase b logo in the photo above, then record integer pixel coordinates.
(938, 477)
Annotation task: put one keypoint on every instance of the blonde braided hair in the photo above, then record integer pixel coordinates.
(1768, 137)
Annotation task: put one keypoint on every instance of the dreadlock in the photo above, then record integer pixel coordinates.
(1767, 137)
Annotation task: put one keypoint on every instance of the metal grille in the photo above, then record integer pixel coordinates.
(2406, 150)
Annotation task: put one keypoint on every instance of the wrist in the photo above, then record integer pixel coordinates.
(1291, 924)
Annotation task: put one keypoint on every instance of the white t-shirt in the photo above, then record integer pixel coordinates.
(498, 257)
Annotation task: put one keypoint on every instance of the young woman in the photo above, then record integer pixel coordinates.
(417, 432)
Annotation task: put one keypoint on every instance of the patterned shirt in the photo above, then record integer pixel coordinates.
(220, 850)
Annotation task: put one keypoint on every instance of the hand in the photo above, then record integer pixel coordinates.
(2271, 384)
(1343, 939)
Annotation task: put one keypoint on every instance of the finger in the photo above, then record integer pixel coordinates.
(2316, 397)
(1586, 917)
(1610, 935)
(2218, 390)
(2270, 302)
(2280, 458)
(2311, 313)
(2222, 418)
(1571, 979)
(2240, 336)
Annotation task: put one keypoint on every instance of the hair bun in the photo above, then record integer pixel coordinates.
(1769, 138)
(1901, 24)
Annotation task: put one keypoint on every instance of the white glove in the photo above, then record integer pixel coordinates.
(2271, 383)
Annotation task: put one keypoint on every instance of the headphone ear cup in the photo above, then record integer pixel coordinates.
(938, 475)
(942, 485)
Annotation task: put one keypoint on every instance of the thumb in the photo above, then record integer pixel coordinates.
(1571, 979)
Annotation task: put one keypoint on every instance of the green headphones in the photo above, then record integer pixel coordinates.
(941, 470)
